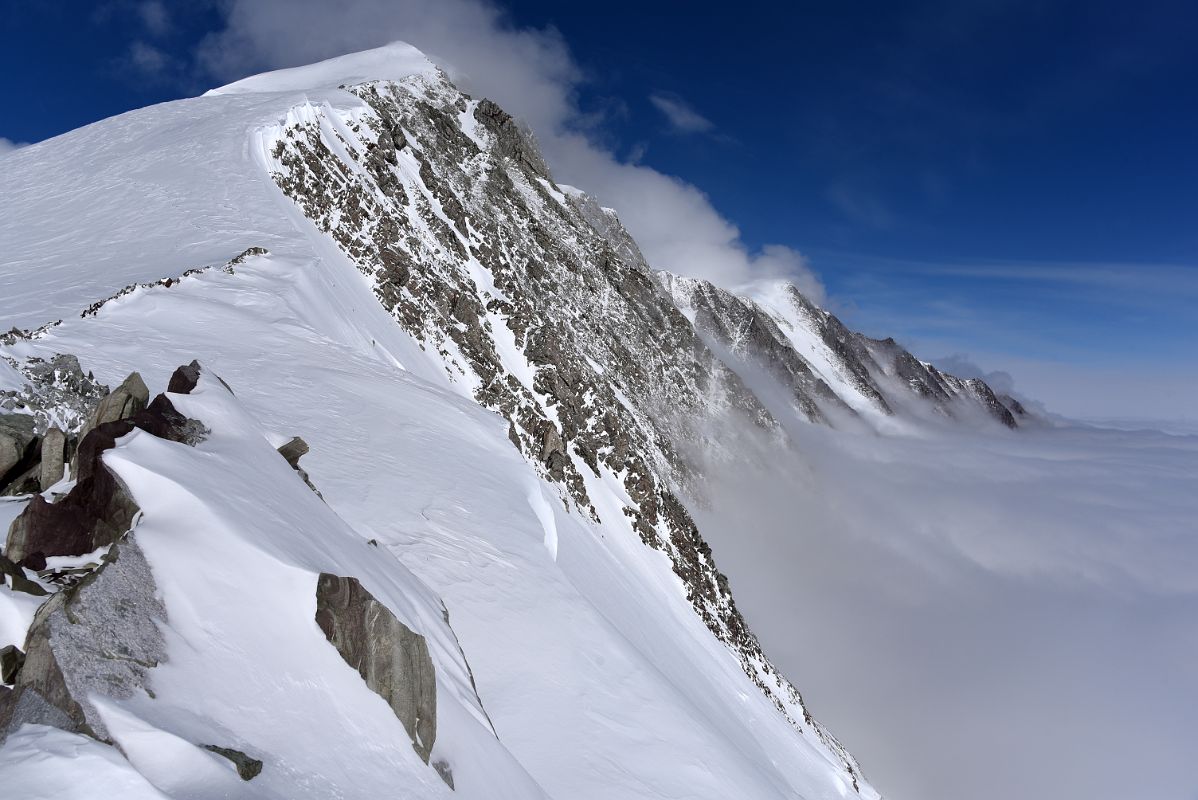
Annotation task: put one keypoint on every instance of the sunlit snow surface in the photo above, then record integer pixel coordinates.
(593, 667)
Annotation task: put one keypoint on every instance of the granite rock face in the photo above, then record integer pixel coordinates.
(100, 637)
(393, 660)
(537, 300)
(53, 467)
(11, 661)
(98, 510)
(18, 443)
(123, 402)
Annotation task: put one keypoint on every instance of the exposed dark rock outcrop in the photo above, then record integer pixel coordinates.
(167, 283)
(98, 509)
(185, 378)
(11, 661)
(513, 140)
(292, 451)
(749, 334)
(392, 659)
(19, 445)
(53, 456)
(247, 768)
(15, 577)
(123, 402)
(444, 770)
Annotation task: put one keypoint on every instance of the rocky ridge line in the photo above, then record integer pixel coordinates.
(539, 305)
(882, 371)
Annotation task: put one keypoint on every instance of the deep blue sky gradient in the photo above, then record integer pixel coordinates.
(1013, 180)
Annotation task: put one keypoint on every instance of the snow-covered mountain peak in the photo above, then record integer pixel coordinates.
(392, 62)
(775, 336)
(504, 404)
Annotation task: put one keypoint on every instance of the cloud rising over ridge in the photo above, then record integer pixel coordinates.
(531, 74)
(979, 615)
(679, 113)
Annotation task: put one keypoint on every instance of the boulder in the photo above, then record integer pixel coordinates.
(21, 428)
(96, 512)
(99, 508)
(26, 478)
(100, 637)
(11, 660)
(15, 577)
(125, 401)
(10, 453)
(293, 451)
(18, 439)
(248, 768)
(185, 378)
(121, 403)
(392, 659)
(53, 467)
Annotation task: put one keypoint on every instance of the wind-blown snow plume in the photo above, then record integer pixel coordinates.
(531, 74)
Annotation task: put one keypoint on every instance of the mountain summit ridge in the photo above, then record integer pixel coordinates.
(407, 262)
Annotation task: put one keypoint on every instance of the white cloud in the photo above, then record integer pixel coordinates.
(530, 73)
(983, 616)
(961, 365)
(155, 17)
(148, 59)
(679, 113)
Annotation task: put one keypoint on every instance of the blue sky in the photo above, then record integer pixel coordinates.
(1016, 182)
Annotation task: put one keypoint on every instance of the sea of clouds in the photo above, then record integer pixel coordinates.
(980, 614)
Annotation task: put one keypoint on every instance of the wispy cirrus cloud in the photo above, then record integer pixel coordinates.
(155, 17)
(146, 58)
(683, 118)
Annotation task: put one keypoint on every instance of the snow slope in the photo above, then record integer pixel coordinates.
(613, 692)
(152, 193)
(589, 659)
